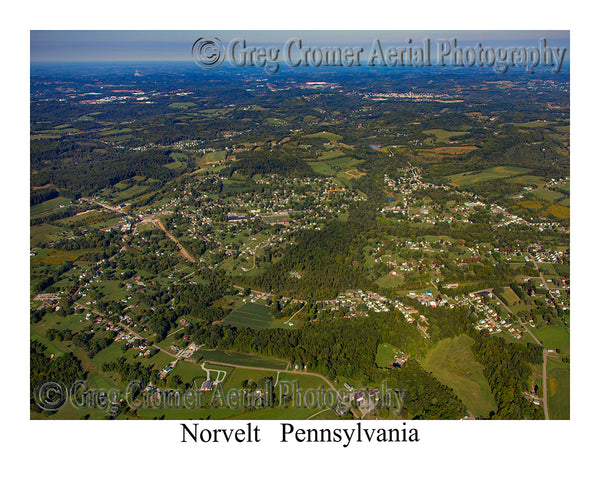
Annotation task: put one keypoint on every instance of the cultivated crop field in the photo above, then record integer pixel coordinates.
(250, 315)
(443, 136)
(455, 150)
(239, 359)
(333, 166)
(494, 173)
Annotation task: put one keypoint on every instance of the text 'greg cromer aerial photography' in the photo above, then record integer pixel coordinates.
(296, 225)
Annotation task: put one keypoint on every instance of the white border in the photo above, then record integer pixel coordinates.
(468, 449)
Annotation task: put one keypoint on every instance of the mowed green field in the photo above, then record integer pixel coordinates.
(48, 205)
(40, 234)
(333, 166)
(548, 195)
(332, 137)
(385, 355)
(559, 387)
(494, 173)
(250, 315)
(528, 180)
(211, 157)
(557, 337)
(452, 362)
(286, 384)
(443, 136)
(510, 296)
(390, 281)
(235, 358)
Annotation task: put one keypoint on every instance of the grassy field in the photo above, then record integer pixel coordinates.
(56, 257)
(331, 155)
(333, 166)
(559, 403)
(494, 173)
(385, 355)
(331, 137)
(49, 205)
(287, 383)
(535, 124)
(40, 234)
(528, 180)
(560, 211)
(510, 296)
(452, 363)
(390, 281)
(455, 150)
(555, 337)
(250, 315)
(193, 371)
(182, 105)
(213, 157)
(547, 195)
(443, 136)
(240, 359)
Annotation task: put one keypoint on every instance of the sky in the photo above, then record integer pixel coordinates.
(165, 45)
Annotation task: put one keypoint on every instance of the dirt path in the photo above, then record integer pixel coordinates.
(187, 255)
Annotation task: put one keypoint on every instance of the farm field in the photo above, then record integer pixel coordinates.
(494, 173)
(556, 337)
(182, 105)
(213, 157)
(443, 136)
(560, 211)
(452, 363)
(547, 195)
(558, 390)
(239, 359)
(331, 137)
(250, 315)
(333, 166)
(48, 205)
(455, 150)
(510, 296)
(40, 234)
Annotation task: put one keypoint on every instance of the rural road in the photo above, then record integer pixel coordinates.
(544, 371)
(187, 255)
(539, 271)
(288, 371)
(546, 415)
(519, 319)
(228, 364)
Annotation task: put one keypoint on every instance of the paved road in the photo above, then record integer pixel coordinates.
(229, 364)
(539, 271)
(118, 210)
(544, 370)
(289, 371)
(519, 319)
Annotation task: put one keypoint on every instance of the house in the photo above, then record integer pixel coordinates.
(207, 385)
